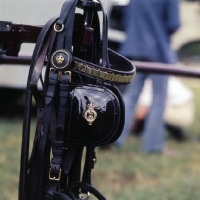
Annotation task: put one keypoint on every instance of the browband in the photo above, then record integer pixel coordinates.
(120, 71)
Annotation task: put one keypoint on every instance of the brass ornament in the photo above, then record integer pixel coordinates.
(90, 114)
(103, 75)
(60, 59)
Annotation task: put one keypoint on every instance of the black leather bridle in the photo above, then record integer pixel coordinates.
(88, 64)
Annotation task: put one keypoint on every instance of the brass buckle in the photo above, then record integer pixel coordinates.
(51, 69)
(65, 72)
(54, 178)
(70, 75)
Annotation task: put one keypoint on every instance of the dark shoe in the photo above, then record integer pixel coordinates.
(176, 132)
(137, 128)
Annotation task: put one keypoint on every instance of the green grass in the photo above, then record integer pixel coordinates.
(132, 174)
(125, 174)
(10, 141)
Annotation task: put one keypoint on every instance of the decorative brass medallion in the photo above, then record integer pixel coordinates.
(90, 114)
(60, 59)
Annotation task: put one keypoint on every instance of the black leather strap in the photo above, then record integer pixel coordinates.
(69, 157)
(66, 9)
(26, 122)
(58, 145)
(75, 171)
(44, 136)
(38, 66)
(65, 26)
(90, 161)
(55, 195)
(105, 58)
(121, 71)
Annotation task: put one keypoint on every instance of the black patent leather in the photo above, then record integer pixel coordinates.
(107, 107)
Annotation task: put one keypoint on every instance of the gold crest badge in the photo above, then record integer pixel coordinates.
(60, 59)
(90, 114)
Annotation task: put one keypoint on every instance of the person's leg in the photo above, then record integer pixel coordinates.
(154, 129)
(130, 97)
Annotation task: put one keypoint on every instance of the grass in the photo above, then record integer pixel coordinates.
(10, 141)
(133, 174)
(125, 174)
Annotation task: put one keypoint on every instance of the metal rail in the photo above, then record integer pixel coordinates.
(162, 68)
(147, 67)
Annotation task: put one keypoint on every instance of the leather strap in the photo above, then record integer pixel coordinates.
(75, 171)
(58, 146)
(44, 135)
(26, 121)
(66, 9)
(56, 195)
(90, 161)
(121, 71)
(65, 24)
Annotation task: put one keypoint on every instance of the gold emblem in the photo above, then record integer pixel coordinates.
(90, 114)
(60, 59)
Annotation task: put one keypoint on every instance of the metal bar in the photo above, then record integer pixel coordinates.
(162, 68)
(23, 59)
(147, 67)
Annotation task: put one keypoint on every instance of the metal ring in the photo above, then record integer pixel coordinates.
(57, 29)
(81, 196)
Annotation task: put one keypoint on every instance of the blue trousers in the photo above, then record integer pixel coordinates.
(154, 130)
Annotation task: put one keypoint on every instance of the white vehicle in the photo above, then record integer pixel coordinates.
(38, 12)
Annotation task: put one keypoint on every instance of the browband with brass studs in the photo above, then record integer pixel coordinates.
(108, 75)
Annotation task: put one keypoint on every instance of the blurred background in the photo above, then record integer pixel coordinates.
(122, 174)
